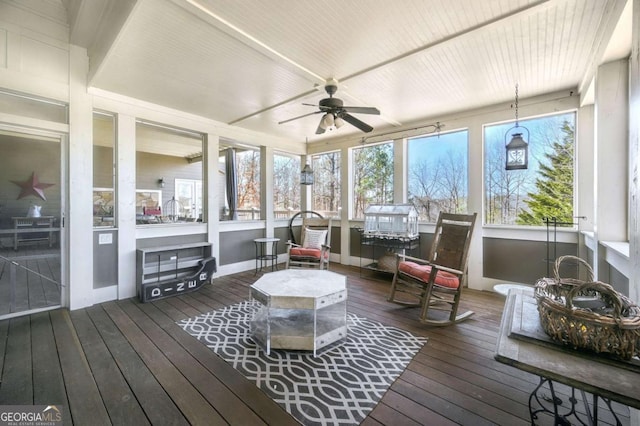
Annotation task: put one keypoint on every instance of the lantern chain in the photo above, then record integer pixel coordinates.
(516, 105)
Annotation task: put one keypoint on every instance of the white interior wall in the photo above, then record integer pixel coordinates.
(634, 159)
(634, 169)
(611, 160)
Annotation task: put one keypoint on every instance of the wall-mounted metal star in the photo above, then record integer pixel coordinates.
(32, 187)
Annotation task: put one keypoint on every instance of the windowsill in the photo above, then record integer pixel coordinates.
(170, 229)
(616, 253)
(562, 235)
(240, 225)
(567, 229)
(620, 247)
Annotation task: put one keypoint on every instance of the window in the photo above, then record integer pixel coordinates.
(169, 175)
(103, 170)
(438, 174)
(240, 168)
(286, 186)
(326, 184)
(372, 177)
(546, 188)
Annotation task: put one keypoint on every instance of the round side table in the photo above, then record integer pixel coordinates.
(264, 255)
(503, 289)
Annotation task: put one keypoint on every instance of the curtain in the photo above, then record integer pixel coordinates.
(232, 183)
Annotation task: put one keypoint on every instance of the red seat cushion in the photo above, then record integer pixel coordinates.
(422, 272)
(306, 252)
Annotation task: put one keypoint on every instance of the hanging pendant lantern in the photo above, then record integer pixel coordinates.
(517, 155)
(306, 175)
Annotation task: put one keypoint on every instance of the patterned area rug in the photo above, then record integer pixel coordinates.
(338, 387)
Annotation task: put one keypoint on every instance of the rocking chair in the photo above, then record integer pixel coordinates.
(436, 283)
(312, 248)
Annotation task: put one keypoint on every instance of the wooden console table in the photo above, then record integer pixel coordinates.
(27, 229)
(523, 344)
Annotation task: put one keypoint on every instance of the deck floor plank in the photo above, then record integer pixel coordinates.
(187, 397)
(467, 409)
(397, 409)
(85, 401)
(154, 401)
(180, 304)
(230, 407)
(119, 400)
(48, 380)
(31, 289)
(16, 386)
(4, 333)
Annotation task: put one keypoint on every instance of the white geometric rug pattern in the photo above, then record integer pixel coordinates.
(338, 387)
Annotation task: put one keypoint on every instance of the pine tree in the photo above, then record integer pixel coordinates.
(554, 184)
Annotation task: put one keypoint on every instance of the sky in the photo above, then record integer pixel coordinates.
(541, 131)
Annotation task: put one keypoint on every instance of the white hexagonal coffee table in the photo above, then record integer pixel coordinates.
(299, 309)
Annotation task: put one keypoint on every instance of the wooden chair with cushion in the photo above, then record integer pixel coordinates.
(437, 282)
(310, 248)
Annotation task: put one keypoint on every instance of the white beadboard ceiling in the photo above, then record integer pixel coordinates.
(252, 63)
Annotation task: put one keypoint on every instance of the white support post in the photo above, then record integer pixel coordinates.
(611, 171)
(79, 221)
(266, 189)
(126, 200)
(213, 195)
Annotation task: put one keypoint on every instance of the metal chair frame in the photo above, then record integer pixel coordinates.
(311, 220)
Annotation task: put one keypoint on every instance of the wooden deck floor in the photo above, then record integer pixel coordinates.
(127, 363)
(29, 278)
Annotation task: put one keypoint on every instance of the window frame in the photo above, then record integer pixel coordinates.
(105, 194)
(509, 127)
(163, 181)
(295, 184)
(466, 162)
(337, 176)
(352, 190)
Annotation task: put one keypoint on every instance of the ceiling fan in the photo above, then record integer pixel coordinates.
(335, 113)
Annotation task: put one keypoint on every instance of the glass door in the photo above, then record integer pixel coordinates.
(31, 206)
(189, 195)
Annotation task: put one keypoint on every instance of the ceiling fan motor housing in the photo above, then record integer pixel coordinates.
(331, 103)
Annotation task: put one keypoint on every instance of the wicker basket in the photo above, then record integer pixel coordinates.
(588, 314)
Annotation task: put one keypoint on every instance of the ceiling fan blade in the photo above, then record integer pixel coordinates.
(362, 110)
(355, 122)
(322, 108)
(300, 116)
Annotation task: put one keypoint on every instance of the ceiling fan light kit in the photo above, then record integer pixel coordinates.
(335, 113)
(328, 120)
